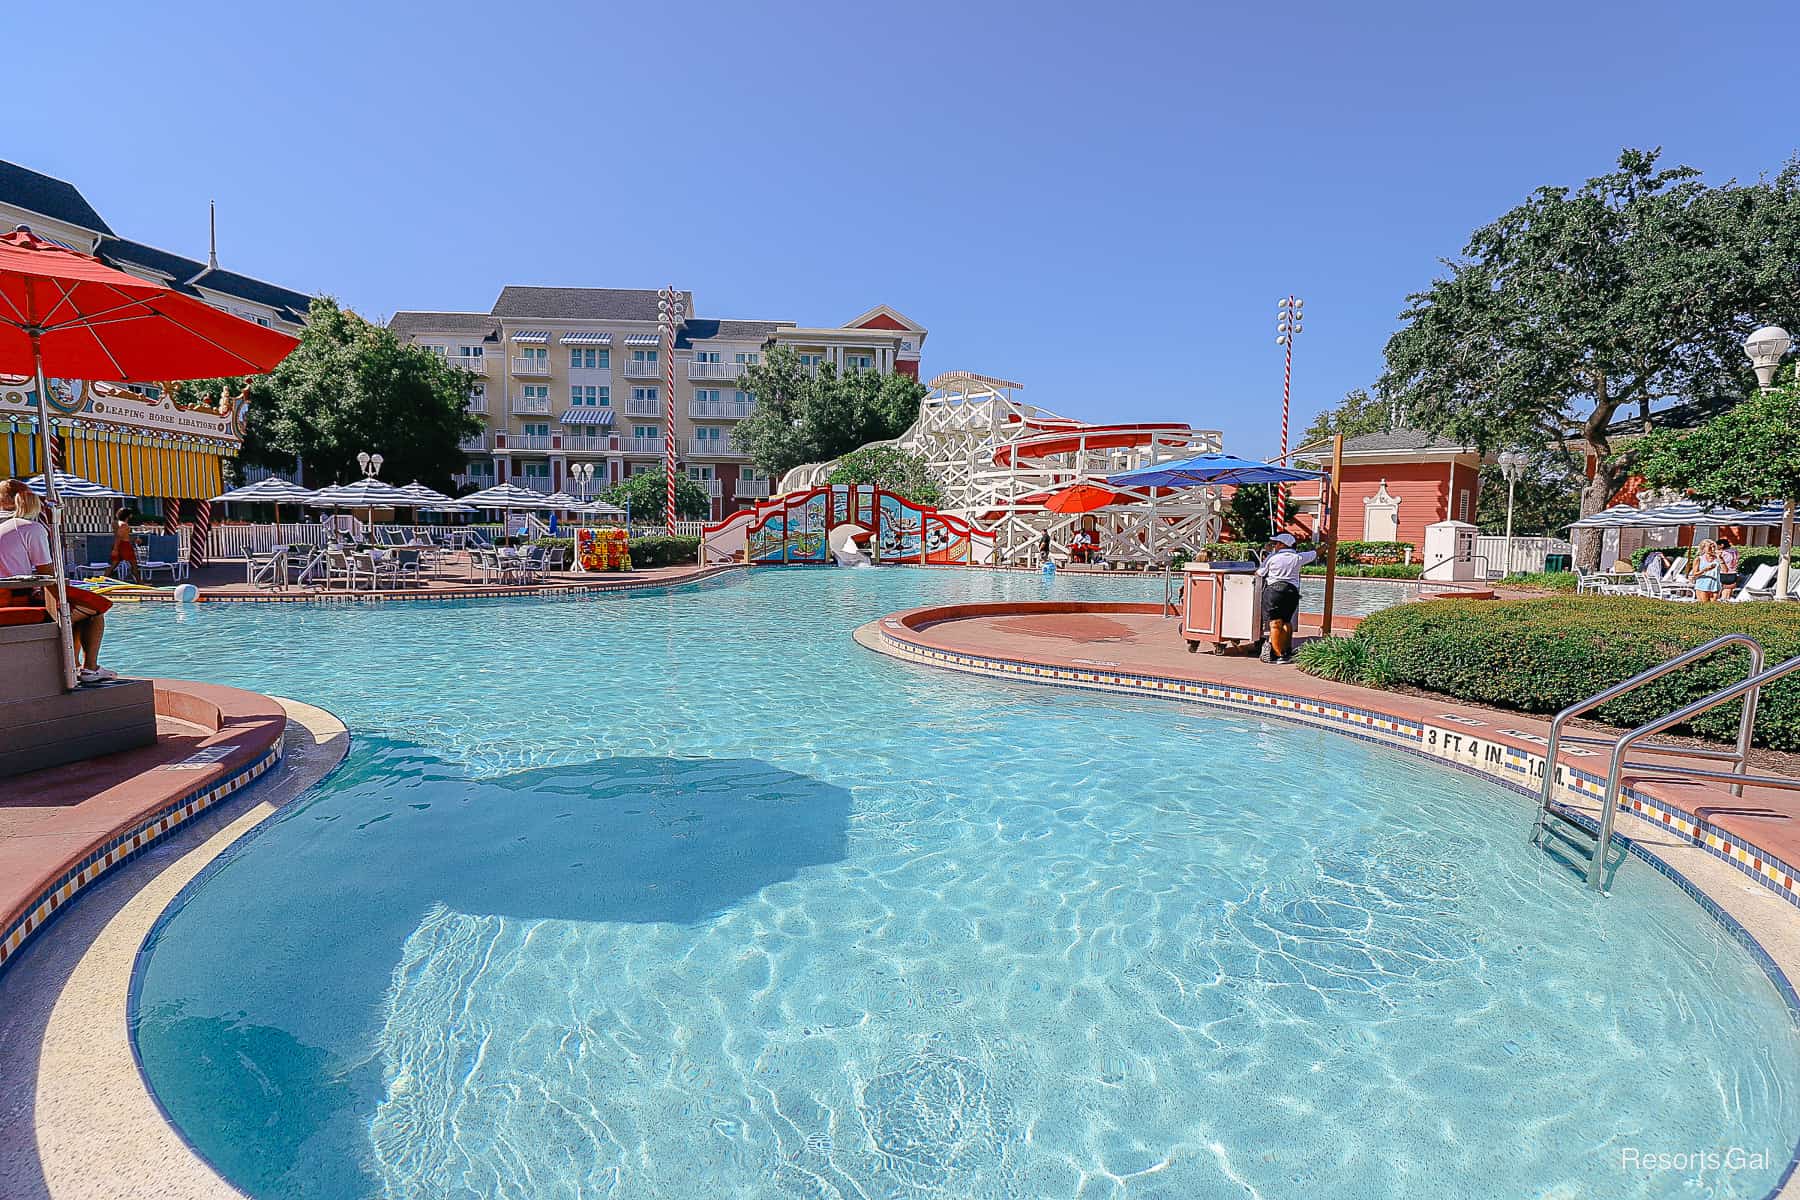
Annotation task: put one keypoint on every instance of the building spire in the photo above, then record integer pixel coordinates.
(212, 220)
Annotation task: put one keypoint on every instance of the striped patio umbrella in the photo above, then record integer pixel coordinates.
(368, 493)
(506, 495)
(423, 495)
(1616, 517)
(273, 490)
(68, 485)
(1686, 512)
(562, 502)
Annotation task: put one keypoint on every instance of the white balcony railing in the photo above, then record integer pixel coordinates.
(714, 370)
(468, 362)
(712, 486)
(531, 366)
(531, 406)
(527, 441)
(478, 442)
(478, 404)
(638, 368)
(752, 489)
(601, 376)
(714, 448)
(588, 443)
(642, 446)
(715, 410)
(644, 408)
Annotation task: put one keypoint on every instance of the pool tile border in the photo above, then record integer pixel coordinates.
(128, 845)
(1493, 758)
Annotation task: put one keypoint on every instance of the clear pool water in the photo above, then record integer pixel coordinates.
(684, 895)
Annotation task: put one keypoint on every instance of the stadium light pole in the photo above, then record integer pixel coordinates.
(1766, 348)
(1513, 464)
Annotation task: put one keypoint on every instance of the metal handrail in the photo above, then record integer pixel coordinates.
(1548, 790)
(1747, 688)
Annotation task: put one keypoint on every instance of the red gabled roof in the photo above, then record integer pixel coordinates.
(882, 321)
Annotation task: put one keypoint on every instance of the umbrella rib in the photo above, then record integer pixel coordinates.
(105, 317)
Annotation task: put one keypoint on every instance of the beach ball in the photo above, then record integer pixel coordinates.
(187, 593)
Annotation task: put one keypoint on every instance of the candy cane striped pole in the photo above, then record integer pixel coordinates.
(202, 532)
(669, 314)
(1287, 327)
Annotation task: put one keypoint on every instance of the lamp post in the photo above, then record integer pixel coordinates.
(1290, 314)
(1766, 348)
(585, 473)
(671, 310)
(1513, 464)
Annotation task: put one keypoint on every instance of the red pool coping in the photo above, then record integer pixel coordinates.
(63, 827)
(1133, 648)
(647, 577)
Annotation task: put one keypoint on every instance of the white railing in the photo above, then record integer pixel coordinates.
(638, 445)
(478, 442)
(232, 541)
(715, 448)
(528, 441)
(531, 366)
(714, 370)
(468, 362)
(637, 368)
(1527, 553)
(656, 528)
(531, 406)
(644, 408)
(478, 404)
(752, 489)
(589, 443)
(714, 487)
(590, 375)
(717, 409)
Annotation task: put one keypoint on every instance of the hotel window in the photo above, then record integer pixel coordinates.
(809, 360)
(590, 396)
(473, 352)
(700, 472)
(644, 356)
(748, 358)
(536, 391)
(707, 395)
(708, 433)
(641, 394)
(538, 356)
(859, 362)
(534, 471)
(707, 356)
(1462, 505)
(744, 398)
(749, 474)
(484, 467)
(645, 432)
(537, 429)
(440, 351)
(478, 395)
(587, 358)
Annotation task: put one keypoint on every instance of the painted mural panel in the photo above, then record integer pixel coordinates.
(944, 542)
(807, 543)
(768, 540)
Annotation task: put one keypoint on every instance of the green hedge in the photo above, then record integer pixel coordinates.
(1549, 581)
(1542, 655)
(660, 550)
(1371, 570)
(1348, 553)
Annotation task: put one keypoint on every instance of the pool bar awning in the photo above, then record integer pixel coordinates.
(133, 464)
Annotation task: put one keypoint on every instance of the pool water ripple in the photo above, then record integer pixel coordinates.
(685, 894)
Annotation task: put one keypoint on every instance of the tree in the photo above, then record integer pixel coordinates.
(1575, 305)
(1746, 457)
(811, 414)
(1247, 513)
(352, 386)
(1546, 499)
(892, 468)
(1359, 413)
(646, 496)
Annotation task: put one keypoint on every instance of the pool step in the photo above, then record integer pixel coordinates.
(1568, 835)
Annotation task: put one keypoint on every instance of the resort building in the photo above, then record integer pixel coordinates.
(574, 375)
(1394, 485)
(129, 437)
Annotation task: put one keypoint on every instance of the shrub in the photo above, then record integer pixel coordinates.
(1549, 581)
(660, 550)
(1541, 655)
(1339, 658)
(1348, 553)
(1371, 571)
(565, 544)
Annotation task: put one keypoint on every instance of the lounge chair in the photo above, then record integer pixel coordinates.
(1760, 585)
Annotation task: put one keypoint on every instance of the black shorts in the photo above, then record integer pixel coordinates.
(1281, 601)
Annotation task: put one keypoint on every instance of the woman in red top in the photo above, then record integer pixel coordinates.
(124, 550)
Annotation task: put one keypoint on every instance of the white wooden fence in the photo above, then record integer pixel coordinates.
(1527, 553)
(234, 541)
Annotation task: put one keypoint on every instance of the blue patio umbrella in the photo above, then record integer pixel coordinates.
(1207, 470)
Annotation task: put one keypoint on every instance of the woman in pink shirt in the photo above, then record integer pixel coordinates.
(25, 550)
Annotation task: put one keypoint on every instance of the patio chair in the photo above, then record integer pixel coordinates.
(479, 540)
(305, 564)
(1760, 585)
(366, 567)
(404, 565)
(1666, 588)
(162, 552)
(556, 559)
(337, 567)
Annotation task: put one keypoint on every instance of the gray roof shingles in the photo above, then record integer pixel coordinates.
(705, 329)
(40, 193)
(411, 324)
(1400, 439)
(580, 304)
(122, 253)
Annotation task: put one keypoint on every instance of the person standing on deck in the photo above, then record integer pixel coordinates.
(1280, 570)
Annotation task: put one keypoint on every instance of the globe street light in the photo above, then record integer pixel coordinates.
(1513, 465)
(585, 473)
(1766, 347)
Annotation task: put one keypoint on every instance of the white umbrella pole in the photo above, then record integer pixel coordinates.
(1787, 548)
(56, 535)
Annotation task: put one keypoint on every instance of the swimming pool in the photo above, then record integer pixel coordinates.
(684, 894)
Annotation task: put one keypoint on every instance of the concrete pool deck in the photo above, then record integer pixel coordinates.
(224, 583)
(77, 1121)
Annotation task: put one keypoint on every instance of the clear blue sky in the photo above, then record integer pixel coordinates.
(1101, 201)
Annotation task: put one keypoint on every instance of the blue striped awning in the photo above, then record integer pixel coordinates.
(536, 337)
(588, 415)
(644, 339)
(586, 339)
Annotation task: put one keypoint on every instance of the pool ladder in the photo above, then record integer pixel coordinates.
(1592, 839)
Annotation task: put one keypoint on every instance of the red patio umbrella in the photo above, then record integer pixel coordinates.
(1084, 498)
(68, 314)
